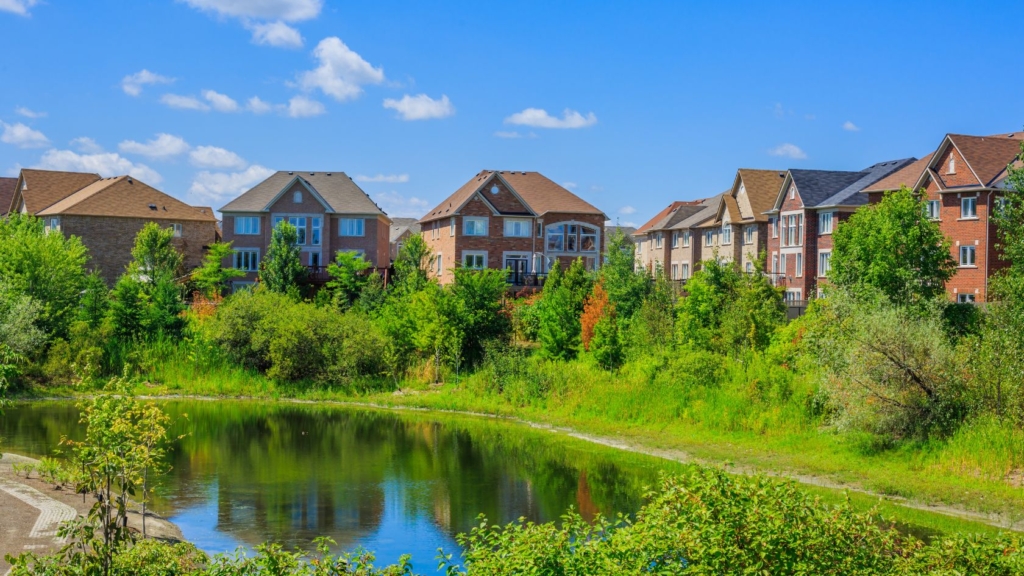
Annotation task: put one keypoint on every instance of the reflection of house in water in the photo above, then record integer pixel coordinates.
(584, 502)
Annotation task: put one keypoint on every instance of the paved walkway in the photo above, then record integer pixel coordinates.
(29, 517)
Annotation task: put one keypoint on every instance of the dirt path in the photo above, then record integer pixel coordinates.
(31, 511)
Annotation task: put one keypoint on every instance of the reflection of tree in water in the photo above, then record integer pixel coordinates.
(293, 472)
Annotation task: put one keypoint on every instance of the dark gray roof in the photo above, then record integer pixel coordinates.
(341, 194)
(820, 188)
(708, 210)
(400, 225)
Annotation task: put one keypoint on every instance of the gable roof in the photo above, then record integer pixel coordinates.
(7, 186)
(126, 197)
(670, 215)
(707, 213)
(538, 193)
(853, 195)
(399, 226)
(987, 156)
(340, 194)
(762, 187)
(827, 188)
(730, 205)
(906, 176)
(42, 188)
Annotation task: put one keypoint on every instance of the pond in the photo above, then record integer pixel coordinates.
(391, 482)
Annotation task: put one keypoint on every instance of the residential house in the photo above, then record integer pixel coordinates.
(655, 239)
(7, 186)
(741, 215)
(401, 230)
(518, 221)
(690, 241)
(331, 213)
(626, 231)
(808, 207)
(107, 214)
(962, 182)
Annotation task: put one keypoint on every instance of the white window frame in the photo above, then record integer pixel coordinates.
(726, 234)
(966, 298)
(481, 221)
(824, 263)
(53, 224)
(775, 226)
(247, 225)
(932, 209)
(685, 270)
(750, 267)
(474, 253)
(971, 201)
(775, 263)
(555, 231)
(439, 263)
(523, 224)
(451, 227)
(783, 263)
(972, 252)
(358, 223)
(748, 234)
(238, 259)
(951, 168)
(686, 238)
(659, 239)
(177, 229)
(675, 271)
(799, 264)
(709, 238)
(675, 239)
(825, 222)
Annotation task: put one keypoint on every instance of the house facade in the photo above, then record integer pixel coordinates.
(691, 243)
(517, 221)
(808, 207)
(741, 216)
(962, 182)
(107, 214)
(331, 213)
(401, 230)
(657, 238)
(7, 186)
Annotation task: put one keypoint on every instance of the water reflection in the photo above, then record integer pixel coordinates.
(250, 472)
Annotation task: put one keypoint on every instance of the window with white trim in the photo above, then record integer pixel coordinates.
(657, 239)
(951, 169)
(775, 227)
(297, 197)
(775, 264)
(474, 259)
(825, 222)
(588, 239)
(965, 299)
(556, 238)
(968, 256)
(474, 226)
(247, 259)
(300, 228)
(750, 267)
(824, 264)
(451, 226)
(355, 227)
(675, 239)
(247, 225)
(748, 235)
(675, 271)
(685, 270)
(517, 228)
(53, 225)
(177, 229)
(799, 264)
(969, 207)
(317, 227)
(439, 264)
(792, 192)
(931, 209)
(782, 264)
(709, 238)
(726, 234)
(686, 238)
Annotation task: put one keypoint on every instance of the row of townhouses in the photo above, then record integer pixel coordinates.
(789, 216)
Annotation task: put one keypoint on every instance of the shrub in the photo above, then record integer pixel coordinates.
(59, 367)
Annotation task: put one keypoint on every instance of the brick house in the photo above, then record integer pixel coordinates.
(332, 214)
(519, 221)
(401, 230)
(962, 181)
(7, 186)
(655, 239)
(107, 214)
(741, 216)
(689, 240)
(807, 208)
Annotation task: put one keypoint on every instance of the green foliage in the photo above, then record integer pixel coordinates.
(892, 247)
(154, 255)
(143, 310)
(212, 277)
(560, 309)
(95, 301)
(627, 287)
(20, 317)
(348, 278)
(282, 269)
(411, 265)
(479, 312)
(46, 267)
(709, 292)
(754, 314)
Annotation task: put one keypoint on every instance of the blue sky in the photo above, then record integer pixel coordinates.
(629, 104)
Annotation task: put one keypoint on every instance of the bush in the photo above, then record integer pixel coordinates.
(59, 367)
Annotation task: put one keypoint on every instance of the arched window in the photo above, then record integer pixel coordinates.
(952, 164)
(297, 197)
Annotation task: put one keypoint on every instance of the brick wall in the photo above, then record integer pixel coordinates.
(110, 240)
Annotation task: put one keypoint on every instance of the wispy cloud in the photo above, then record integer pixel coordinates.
(183, 102)
(569, 185)
(397, 205)
(850, 127)
(19, 7)
(105, 164)
(265, 18)
(132, 84)
(788, 151)
(162, 147)
(22, 136)
(539, 118)
(341, 73)
(627, 210)
(23, 111)
(512, 135)
(220, 102)
(218, 186)
(302, 107)
(277, 34)
(420, 107)
(86, 145)
(216, 157)
(389, 178)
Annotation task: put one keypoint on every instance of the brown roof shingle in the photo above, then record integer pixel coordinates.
(762, 189)
(988, 156)
(907, 176)
(43, 188)
(540, 194)
(126, 197)
(342, 195)
(6, 194)
(670, 215)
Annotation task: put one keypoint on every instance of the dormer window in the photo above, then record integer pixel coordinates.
(297, 197)
(952, 165)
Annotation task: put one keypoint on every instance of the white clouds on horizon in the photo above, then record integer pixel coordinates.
(132, 84)
(22, 136)
(399, 206)
(389, 178)
(539, 118)
(162, 147)
(86, 145)
(19, 7)
(420, 107)
(216, 157)
(787, 150)
(105, 164)
(27, 113)
(218, 186)
(850, 127)
(341, 73)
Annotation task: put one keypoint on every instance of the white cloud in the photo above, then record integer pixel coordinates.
(277, 34)
(22, 136)
(183, 102)
(569, 185)
(850, 127)
(106, 164)
(19, 7)
(513, 135)
(220, 102)
(539, 118)
(22, 111)
(162, 147)
(788, 151)
(389, 178)
(398, 206)
(627, 210)
(421, 107)
(302, 107)
(86, 145)
(132, 84)
(217, 186)
(215, 157)
(341, 73)
(287, 10)
(258, 106)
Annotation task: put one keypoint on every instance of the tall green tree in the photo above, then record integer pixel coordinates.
(147, 301)
(893, 248)
(348, 278)
(755, 313)
(411, 264)
(212, 277)
(710, 292)
(154, 255)
(479, 301)
(282, 269)
(626, 285)
(560, 309)
(45, 266)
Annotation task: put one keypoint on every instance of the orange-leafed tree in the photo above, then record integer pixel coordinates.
(596, 308)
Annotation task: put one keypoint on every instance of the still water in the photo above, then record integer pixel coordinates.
(249, 472)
